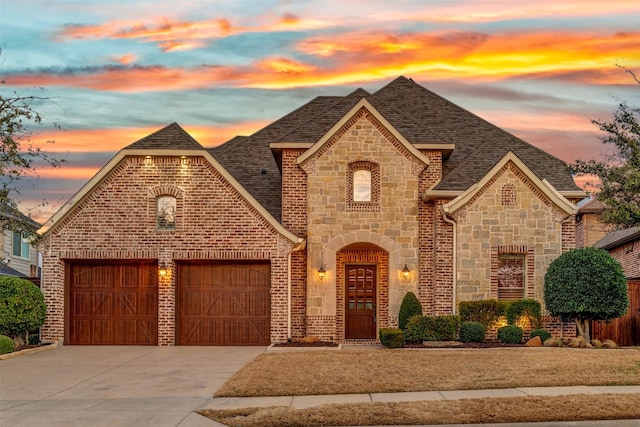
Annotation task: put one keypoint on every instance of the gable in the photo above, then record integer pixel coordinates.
(362, 109)
(111, 172)
(542, 187)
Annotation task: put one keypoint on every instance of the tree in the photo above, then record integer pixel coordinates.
(22, 308)
(619, 174)
(18, 156)
(586, 284)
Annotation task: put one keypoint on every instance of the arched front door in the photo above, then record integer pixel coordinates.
(360, 301)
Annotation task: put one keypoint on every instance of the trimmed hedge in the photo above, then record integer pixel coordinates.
(542, 333)
(472, 332)
(510, 334)
(391, 337)
(6, 345)
(438, 328)
(410, 307)
(528, 308)
(486, 312)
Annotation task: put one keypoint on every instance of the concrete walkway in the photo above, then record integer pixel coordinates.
(302, 402)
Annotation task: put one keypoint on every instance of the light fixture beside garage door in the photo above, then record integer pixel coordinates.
(163, 270)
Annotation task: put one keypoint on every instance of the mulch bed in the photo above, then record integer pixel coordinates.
(306, 344)
(426, 344)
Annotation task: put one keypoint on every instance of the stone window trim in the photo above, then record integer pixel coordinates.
(372, 205)
(513, 258)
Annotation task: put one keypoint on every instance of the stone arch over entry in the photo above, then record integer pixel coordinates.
(364, 248)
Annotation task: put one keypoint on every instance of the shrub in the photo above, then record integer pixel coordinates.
(392, 338)
(585, 284)
(410, 307)
(6, 345)
(542, 333)
(510, 334)
(609, 344)
(438, 328)
(552, 342)
(472, 332)
(524, 308)
(22, 308)
(486, 312)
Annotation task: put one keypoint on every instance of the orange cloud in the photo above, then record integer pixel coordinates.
(180, 35)
(370, 56)
(105, 140)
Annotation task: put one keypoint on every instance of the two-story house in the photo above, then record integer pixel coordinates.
(19, 257)
(317, 224)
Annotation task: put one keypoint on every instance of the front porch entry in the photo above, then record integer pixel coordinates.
(360, 301)
(362, 291)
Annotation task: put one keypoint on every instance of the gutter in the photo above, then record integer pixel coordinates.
(301, 246)
(455, 259)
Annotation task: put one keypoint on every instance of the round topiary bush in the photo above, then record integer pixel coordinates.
(6, 345)
(472, 332)
(22, 308)
(510, 334)
(542, 333)
(410, 307)
(586, 284)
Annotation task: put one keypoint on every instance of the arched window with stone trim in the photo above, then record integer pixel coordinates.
(363, 187)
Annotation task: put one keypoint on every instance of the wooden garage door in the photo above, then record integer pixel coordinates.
(223, 304)
(113, 303)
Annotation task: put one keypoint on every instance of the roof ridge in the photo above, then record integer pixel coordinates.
(172, 136)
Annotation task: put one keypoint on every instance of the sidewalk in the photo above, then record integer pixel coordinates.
(301, 402)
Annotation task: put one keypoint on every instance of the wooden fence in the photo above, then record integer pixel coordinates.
(624, 330)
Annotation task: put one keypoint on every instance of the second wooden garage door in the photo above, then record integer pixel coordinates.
(223, 304)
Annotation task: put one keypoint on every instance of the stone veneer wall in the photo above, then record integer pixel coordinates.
(117, 221)
(533, 224)
(395, 227)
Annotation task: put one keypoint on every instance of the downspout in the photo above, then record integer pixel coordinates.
(455, 258)
(298, 247)
(568, 218)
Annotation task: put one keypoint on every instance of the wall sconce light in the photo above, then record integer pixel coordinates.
(405, 273)
(163, 270)
(321, 273)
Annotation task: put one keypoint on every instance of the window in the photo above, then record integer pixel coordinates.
(362, 186)
(511, 276)
(166, 213)
(20, 246)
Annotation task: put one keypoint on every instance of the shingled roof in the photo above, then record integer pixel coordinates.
(169, 137)
(420, 115)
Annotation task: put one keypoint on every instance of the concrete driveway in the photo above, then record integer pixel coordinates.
(116, 386)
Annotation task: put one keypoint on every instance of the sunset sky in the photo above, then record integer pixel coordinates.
(118, 70)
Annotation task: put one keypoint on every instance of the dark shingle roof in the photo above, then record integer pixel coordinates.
(420, 115)
(169, 137)
(618, 237)
(8, 271)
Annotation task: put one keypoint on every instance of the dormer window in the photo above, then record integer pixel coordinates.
(363, 187)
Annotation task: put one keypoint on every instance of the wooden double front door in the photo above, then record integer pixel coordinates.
(360, 301)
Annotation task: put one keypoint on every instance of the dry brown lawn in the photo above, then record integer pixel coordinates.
(380, 371)
(496, 410)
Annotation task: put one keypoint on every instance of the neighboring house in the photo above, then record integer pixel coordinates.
(19, 257)
(589, 228)
(317, 224)
(624, 246)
